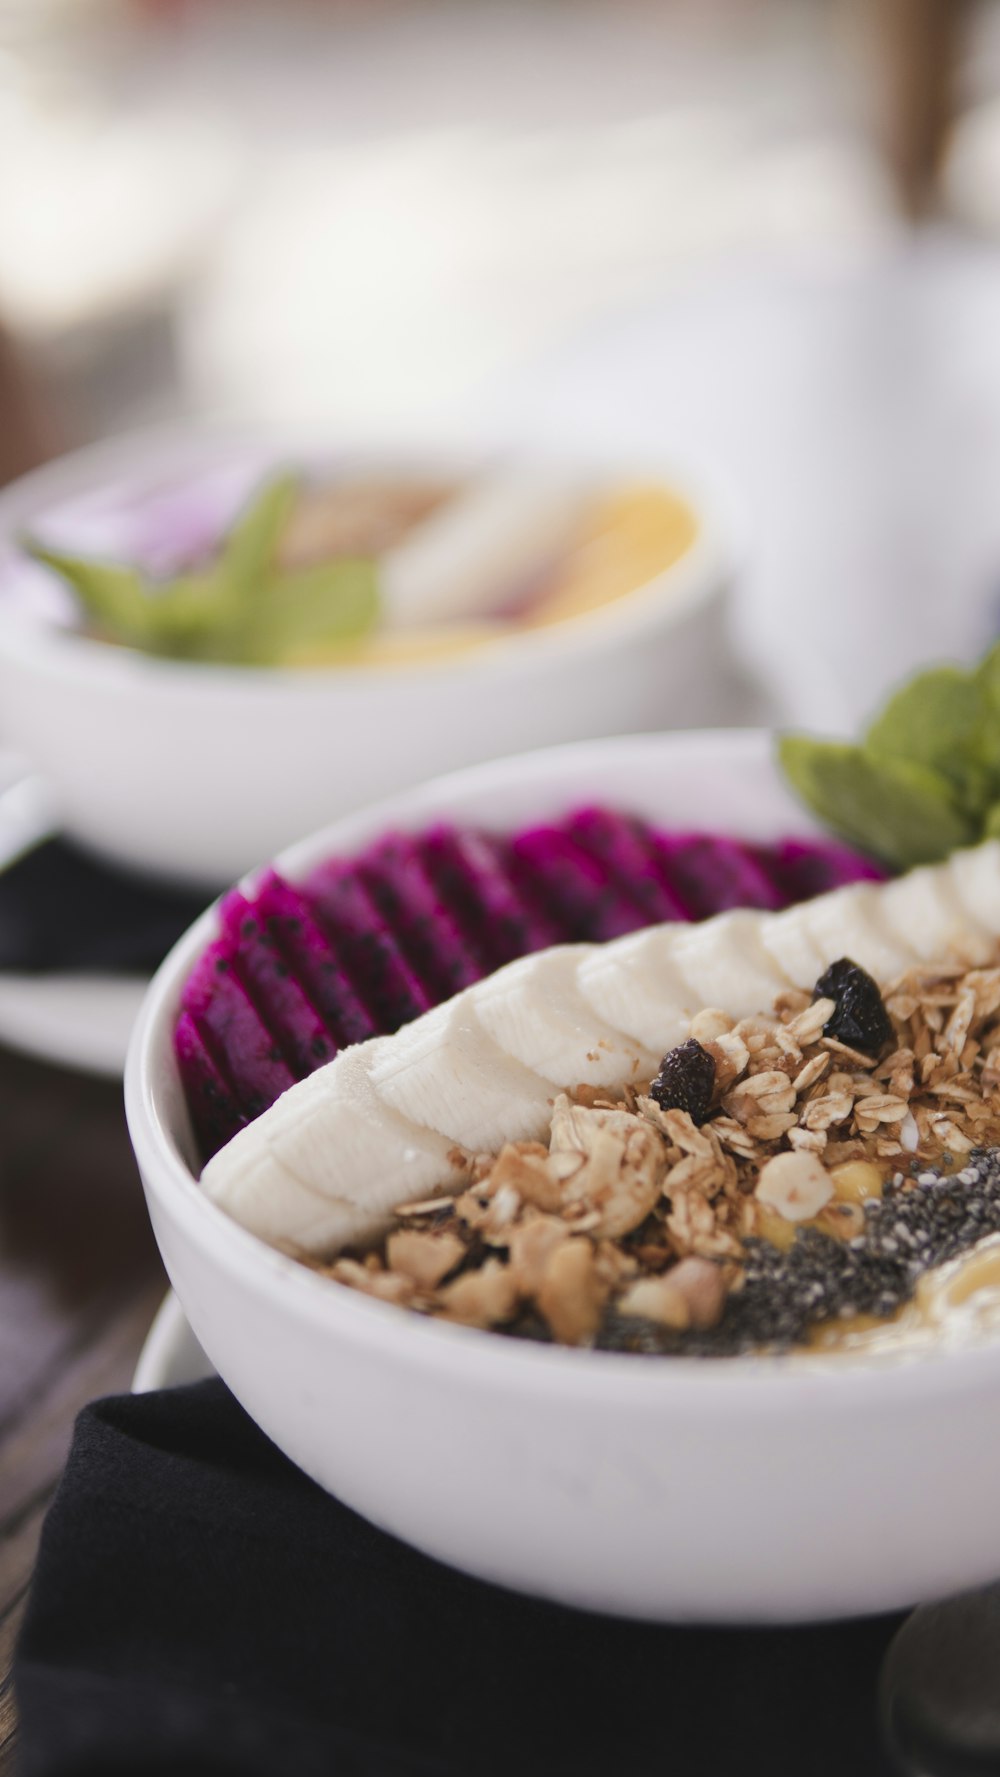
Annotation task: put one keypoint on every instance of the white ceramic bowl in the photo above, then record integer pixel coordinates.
(744, 1489)
(197, 771)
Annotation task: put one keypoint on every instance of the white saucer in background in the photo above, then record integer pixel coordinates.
(74, 1019)
(171, 1354)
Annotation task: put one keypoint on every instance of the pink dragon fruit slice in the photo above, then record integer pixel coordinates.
(799, 868)
(428, 934)
(471, 876)
(623, 845)
(356, 935)
(577, 890)
(710, 874)
(316, 961)
(215, 1112)
(305, 1038)
(231, 1027)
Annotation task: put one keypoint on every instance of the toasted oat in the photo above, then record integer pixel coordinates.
(622, 1163)
(710, 1024)
(807, 1026)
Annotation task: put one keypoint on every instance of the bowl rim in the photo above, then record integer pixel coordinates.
(693, 580)
(746, 1386)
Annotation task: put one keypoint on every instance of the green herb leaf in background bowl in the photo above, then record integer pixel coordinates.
(242, 608)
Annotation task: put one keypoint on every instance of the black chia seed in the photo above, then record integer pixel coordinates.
(915, 1226)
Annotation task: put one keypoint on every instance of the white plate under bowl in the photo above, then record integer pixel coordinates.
(75, 1019)
(751, 1489)
(171, 1355)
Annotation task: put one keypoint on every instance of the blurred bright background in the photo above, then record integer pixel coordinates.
(759, 233)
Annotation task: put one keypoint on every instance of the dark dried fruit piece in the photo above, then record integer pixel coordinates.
(859, 1018)
(686, 1081)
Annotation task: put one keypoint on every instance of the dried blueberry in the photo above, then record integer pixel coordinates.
(859, 1017)
(686, 1081)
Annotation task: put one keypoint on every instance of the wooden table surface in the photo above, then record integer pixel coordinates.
(80, 1281)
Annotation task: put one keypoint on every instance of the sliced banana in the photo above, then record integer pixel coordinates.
(925, 907)
(975, 875)
(723, 963)
(328, 1161)
(853, 922)
(795, 951)
(444, 1072)
(534, 1010)
(383, 1123)
(632, 984)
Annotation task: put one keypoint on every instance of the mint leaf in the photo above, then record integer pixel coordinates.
(901, 811)
(942, 719)
(240, 608)
(988, 684)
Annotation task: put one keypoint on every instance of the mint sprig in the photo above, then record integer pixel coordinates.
(242, 608)
(925, 776)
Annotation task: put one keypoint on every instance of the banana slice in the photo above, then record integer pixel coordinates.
(384, 1123)
(632, 983)
(855, 919)
(724, 963)
(975, 876)
(795, 951)
(444, 1072)
(534, 1011)
(926, 909)
(329, 1160)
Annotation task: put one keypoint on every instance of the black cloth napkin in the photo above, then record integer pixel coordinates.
(62, 910)
(200, 1606)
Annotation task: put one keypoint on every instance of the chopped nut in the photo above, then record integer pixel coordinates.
(528, 1168)
(425, 1258)
(703, 1287)
(659, 1299)
(572, 1292)
(797, 1185)
(374, 1282)
(482, 1298)
(530, 1246)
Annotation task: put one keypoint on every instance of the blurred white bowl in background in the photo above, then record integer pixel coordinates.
(196, 771)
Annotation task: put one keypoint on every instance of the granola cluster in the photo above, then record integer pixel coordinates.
(633, 1210)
